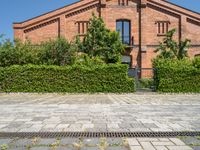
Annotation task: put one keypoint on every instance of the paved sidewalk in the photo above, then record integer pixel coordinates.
(94, 144)
(99, 112)
(157, 144)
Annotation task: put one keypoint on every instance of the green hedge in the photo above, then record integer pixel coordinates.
(71, 79)
(177, 75)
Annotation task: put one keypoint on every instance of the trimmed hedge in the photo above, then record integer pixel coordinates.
(177, 75)
(71, 79)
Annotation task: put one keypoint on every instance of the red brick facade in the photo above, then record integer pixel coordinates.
(149, 20)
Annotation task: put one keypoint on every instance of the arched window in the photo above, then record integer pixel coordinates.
(124, 27)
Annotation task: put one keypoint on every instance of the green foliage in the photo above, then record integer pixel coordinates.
(100, 41)
(95, 37)
(4, 147)
(196, 62)
(113, 48)
(84, 59)
(145, 83)
(54, 52)
(58, 52)
(1, 37)
(86, 70)
(183, 49)
(72, 79)
(99, 44)
(18, 53)
(177, 75)
(170, 49)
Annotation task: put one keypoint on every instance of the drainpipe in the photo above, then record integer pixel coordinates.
(99, 8)
(142, 32)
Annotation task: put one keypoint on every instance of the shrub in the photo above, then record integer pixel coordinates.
(84, 59)
(72, 79)
(58, 52)
(18, 53)
(196, 62)
(101, 42)
(177, 75)
(4, 147)
(54, 52)
(145, 83)
(170, 49)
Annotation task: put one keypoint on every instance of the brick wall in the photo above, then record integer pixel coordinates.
(144, 15)
(47, 32)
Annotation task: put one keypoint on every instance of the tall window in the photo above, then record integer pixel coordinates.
(123, 26)
(123, 2)
(163, 27)
(82, 27)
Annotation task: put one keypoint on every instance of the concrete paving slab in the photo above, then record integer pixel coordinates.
(99, 112)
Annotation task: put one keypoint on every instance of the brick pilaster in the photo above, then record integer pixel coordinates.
(143, 31)
(62, 27)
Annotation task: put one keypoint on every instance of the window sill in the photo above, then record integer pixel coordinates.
(81, 34)
(130, 46)
(162, 34)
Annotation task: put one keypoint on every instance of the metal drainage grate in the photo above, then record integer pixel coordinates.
(95, 134)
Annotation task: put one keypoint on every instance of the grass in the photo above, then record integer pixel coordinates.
(102, 145)
(192, 144)
(4, 147)
(198, 137)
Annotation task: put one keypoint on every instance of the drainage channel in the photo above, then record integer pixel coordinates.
(95, 134)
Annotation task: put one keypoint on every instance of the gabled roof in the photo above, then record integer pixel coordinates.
(176, 8)
(46, 13)
(55, 13)
(85, 3)
(166, 1)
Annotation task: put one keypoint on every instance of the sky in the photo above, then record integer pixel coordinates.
(20, 10)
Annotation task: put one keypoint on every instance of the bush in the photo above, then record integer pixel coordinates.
(177, 75)
(196, 62)
(101, 42)
(18, 53)
(145, 83)
(72, 79)
(170, 49)
(84, 59)
(54, 52)
(58, 52)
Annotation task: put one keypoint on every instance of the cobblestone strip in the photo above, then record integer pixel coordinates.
(157, 144)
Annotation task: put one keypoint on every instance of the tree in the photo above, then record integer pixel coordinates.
(58, 52)
(113, 48)
(183, 49)
(170, 49)
(100, 41)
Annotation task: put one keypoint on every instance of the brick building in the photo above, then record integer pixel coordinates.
(142, 24)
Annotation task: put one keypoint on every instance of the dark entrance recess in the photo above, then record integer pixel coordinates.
(144, 78)
(126, 59)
